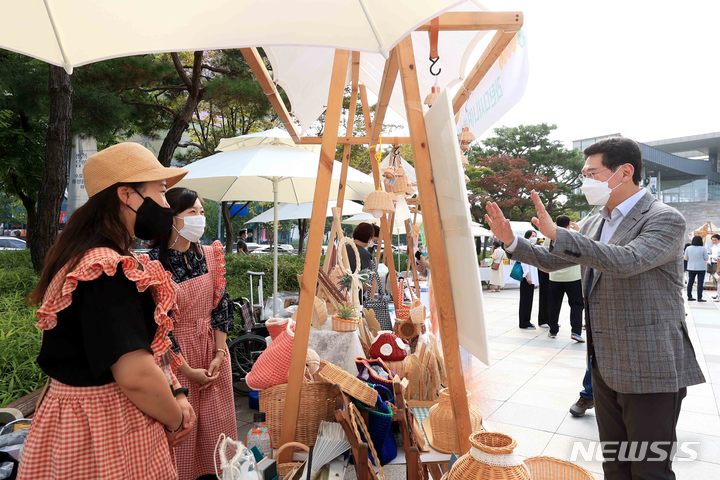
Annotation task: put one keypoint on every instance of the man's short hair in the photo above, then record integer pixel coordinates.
(376, 227)
(562, 221)
(716, 236)
(618, 151)
(242, 232)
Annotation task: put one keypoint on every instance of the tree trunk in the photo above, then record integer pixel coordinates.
(302, 229)
(228, 227)
(54, 180)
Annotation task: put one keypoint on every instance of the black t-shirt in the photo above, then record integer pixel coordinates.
(108, 318)
(242, 246)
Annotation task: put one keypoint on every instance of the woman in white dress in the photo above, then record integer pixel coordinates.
(497, 277)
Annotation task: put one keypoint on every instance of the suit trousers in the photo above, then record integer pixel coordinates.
(527, 292)
(647, 417)
(575, 300)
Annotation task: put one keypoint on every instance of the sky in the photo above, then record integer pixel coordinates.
(647, 70)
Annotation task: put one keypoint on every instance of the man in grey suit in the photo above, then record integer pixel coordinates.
(632, 270)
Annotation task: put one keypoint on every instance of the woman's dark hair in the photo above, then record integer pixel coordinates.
(363, 232)
(179, 199)
(697, 241)
(98, 223)
(376, 228)
(418, 254)
(618, 151)
(529, 233)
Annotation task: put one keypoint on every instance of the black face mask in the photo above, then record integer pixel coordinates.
(151, 220)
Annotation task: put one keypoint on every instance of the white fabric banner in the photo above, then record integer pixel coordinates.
(500, 89)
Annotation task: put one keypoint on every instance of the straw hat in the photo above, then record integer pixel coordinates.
(126, 162)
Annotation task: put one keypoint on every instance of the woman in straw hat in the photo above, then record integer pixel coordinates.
(201, 324)
(112, 402)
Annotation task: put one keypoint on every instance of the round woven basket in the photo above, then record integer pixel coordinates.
(549, 468)
(491, 457)
(440, 425)
(288, 469)
(344, 325)
(317, 403)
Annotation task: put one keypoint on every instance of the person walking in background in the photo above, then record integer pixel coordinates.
(527, 287)
(241, 243)
(714, 263)
(639, 349)
(497, 268)
(697, 258)
(566, 281)
(202, 322)
(112, 402)
(586, 401)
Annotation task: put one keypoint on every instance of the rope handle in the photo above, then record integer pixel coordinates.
(345, 259)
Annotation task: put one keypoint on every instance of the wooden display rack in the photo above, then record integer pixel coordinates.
(401, 61)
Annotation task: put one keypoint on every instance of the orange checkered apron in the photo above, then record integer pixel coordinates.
(214, 405)
(97, 432)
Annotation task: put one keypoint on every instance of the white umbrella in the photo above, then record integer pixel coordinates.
(78, 32)
(274, 136)
(269, 172)
(291, 211)
(479, 231)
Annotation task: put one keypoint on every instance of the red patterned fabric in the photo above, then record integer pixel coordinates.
(273, 365)
(89, 433)
(402, 310)
(145, 273)
(214, 405)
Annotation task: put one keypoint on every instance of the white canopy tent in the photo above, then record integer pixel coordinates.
(519, 228)
(291, 211)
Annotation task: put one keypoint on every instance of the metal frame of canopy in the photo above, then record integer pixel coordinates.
(401, 61)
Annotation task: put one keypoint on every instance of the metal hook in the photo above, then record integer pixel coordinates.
(433, 61)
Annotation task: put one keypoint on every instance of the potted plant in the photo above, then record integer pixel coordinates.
(346, 319)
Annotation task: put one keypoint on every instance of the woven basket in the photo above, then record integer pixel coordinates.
(317, 403)
(286, 470)
(378, 203)
(343, 325)
(549, 468)
(440, 425)
(490, 458)
(407, 330)
(352, 386)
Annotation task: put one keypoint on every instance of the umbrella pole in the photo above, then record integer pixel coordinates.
(275, 245)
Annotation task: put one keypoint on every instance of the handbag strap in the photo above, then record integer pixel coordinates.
(344, 256)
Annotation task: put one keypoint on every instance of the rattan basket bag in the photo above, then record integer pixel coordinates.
(440, 424)
(549, 468)
(491, 457)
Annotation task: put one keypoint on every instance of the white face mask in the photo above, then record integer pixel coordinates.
(193, 229)
(597, 192)
(532, 240)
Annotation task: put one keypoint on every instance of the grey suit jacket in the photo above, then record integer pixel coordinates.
(634, 305)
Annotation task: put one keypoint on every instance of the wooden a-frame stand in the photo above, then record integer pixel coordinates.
(402, 61)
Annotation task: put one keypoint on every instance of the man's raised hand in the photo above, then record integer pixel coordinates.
(499, 225)
(543, 221)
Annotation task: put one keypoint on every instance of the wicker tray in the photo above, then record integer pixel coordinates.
(549, 468)
(317, 403)
(352, 386)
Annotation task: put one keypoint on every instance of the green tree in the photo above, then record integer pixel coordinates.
(545, 157)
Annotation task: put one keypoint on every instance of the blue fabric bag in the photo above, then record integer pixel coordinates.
(517, 272)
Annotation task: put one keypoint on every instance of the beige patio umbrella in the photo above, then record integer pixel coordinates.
(78, 32)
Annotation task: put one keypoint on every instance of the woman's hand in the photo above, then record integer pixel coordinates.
(189, 419)
(200, 376)
(216, 363)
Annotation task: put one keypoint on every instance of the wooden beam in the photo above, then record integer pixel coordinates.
(256, 64)
(386, 88)
(501, 40)
(366, 109)
(435, 243)
(364, 140)
(312, 258)
(355, 69)
(474, 21)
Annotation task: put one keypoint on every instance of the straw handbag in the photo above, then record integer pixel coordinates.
(317, 404)
(375, 371)
(286, 471)
(549, 468)
(276, 326)
(490, 457)
(378, 203)
(402, 309)
(354, 293)
(394, 177)
(352, 386)
(440, 428)
(272, 367)
(379, 425)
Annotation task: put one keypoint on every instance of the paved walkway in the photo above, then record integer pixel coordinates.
(533, 380)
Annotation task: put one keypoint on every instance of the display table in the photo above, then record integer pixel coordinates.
(340, 348)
